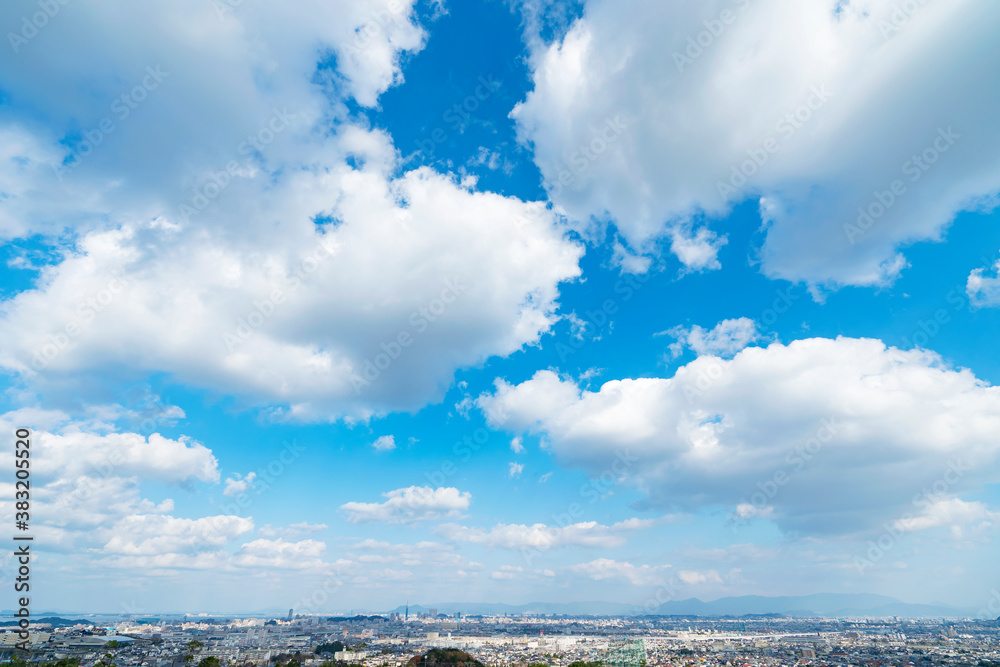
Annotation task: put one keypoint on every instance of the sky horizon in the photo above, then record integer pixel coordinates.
(312, 609)
(372, 300)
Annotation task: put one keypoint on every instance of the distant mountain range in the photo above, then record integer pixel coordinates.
(54, 621)
(570, 608)
(821, 605)
(824, 605)
(828, 605)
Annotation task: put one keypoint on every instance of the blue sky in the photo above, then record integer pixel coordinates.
(388, 300)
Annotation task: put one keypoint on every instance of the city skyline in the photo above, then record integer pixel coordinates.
(506, 301)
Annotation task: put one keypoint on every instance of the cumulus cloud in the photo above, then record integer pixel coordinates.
(663, 116)
(234, 70)
(89, 497)
(252, 315)
(415, 503)
(830, 435)
(697, 249)
(384, 443)
(725, 339)
(90, 502)
(152, 534)
(281, 554)
(542, 536)
(515, 469)
(953, 513)
(983, 289)
(236, 484)
(67, 449)
(206, 251)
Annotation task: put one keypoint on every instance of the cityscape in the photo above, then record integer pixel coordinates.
(500, 333)
(553, 640)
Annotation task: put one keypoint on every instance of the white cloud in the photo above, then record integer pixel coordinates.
(692, 577)
(541, 536)
(233, 71)
(642, 124)
(415, 503)
(629, 261)
(89, 503)
(810, 430)
(506, 573)
(953, 513)
(281, 554)
(423, 556)
(984, 290)
(516, 446)
(236, 484)
(152, 534)
(745, 511)
(697, 250)
(232, 293)
(69, 451)
(603, 569)
(88, 495)
(515, 469)
(253, 316)
(726, 339)
(384, 443)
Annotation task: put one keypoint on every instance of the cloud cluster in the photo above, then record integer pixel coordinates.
(542, 536)
(839, 120)
(823, 436)
(131, 124)
(414, 503)
(384, 443)
(983, 289)
(253, 314)
(275, 249)
(725, 339)
(88, 490)
(88, 500)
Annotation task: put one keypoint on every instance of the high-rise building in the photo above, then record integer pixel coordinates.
(290, 614)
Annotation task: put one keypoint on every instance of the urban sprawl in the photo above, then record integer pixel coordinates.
(551, 641)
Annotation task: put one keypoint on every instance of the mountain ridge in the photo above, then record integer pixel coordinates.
(822, 605)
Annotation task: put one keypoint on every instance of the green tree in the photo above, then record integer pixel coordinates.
(444, 657)
(193, 647)
(330, 648)
(209, 661)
